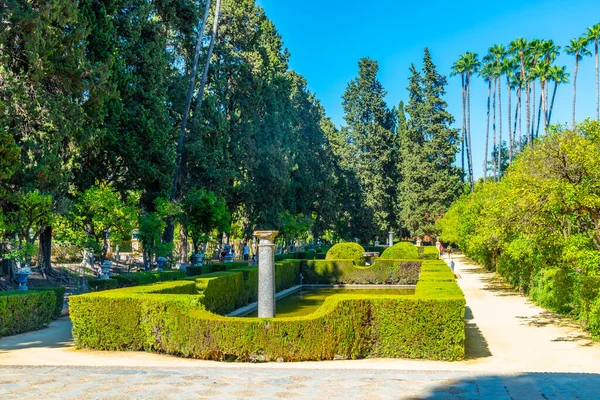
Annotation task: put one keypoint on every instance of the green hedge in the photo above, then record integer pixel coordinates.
(347, 251)
(26, 310)
(102, 284)
(191, 270)
(400, 251)
(428, 253)
(375, 249)
(223, 291)
(59, 293)
(146, 277)
(169, 318)
(281, 257)
(396, 272)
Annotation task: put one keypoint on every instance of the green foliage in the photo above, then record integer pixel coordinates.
(144, 278)
(537, 226)
(430, 181)
(202, 213)
(428, 253)
(400, 251)
(102, 284)
(347, 251)
(223, 291)
(191, 270)
(59, 293)
(170, 318)
(391, 272)
(22, 311)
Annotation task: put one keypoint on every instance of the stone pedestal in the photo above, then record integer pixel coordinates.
(391, 238)
(266, 273)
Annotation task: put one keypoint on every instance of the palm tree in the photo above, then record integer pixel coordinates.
(515, 82)
(542, 71)
(487, 73)
(508, 67)
(458, 68)
(593, 35)
(519, 48)
(548, 53)
(467, 65)
(535, 54)
(558, 75)
(577, 48)
(498, 52)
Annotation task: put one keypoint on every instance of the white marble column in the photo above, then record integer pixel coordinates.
(266, 273)
(391, 238)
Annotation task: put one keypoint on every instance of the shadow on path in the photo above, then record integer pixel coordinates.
(475, 344)
(56, 335)
(519, 386)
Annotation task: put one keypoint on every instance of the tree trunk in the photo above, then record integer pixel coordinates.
(510, 138)
(188, 103)
(597, 83)
(518, 117)
(532, 130)
(45, 250)
(183, 245)
(545, 107)
(528, 112)
(470, 153)
(494, 130)
(499, 128)
(539, 116)
(464, 124)
(575, 87)
(487, 131)
(552, 102)
(207, 65)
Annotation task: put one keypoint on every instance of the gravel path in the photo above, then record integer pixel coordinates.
(514, 350)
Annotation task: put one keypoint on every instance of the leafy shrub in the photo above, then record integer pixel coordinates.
(23, 311)
(347, 251)
(320, 256)
(396, 272)
(429, 325)
(146, 277)
(553, 288)
(310, 255)
(102, 284)
(59, 293)
(191, 270)
(428, 253)
(400, 251)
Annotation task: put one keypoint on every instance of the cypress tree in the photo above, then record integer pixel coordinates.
(430, 180)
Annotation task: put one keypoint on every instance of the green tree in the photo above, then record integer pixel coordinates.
(430, 181)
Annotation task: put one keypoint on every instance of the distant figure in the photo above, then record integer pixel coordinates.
(441, 250)
(246, 252)
(452, 265)
(223, 254)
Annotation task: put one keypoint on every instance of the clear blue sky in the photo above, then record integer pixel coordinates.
(326, 38)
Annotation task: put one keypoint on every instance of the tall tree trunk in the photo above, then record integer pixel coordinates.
(532, 130)
(464, 123)
(597, 83)
(183, 245)
(469, 130)
(545, 106)
(575, 87)
(552, 102)
(188, 101)
(528, 112)
(207, 65)
(487, 131)
(510, 138)
(494, 131)
(45, 250)
(539, 116)
(499, 127)
(517, 116)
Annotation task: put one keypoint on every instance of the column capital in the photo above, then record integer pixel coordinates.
(268, 236)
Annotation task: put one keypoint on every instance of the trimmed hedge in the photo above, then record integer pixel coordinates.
(102, 284)
(146, 277)
(191, 270)
(391, 272)
(59, 293)
(347, 251)
(161, 318)
(400, 251)
(26, 310)
(223, 291)
(428, 253)
(281, 257)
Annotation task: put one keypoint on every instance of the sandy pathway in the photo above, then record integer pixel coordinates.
(505, 333)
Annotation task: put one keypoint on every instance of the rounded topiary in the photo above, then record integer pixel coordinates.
(347, 251)
(401, 251)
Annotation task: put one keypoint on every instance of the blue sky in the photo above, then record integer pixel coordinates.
(326, 38)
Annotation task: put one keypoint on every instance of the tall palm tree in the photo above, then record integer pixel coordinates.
(593, 35)
(467, 65)
(519, 48)
(498, 52)
(509, 64)
(517, 84)
(487, 73)
(548, 54)
(542, 71)
(535, 54)
(558, 75)
(577, 47)
(458, 68)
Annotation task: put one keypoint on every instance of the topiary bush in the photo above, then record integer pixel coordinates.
(146, 277)
(59, 293)
(390, 272)
(428, 253)
(347, 251)
(400, 251)
(192, 270)
(170, 318)
(26, 310)
(102, 284)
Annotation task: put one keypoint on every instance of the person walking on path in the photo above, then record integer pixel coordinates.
(246, 252)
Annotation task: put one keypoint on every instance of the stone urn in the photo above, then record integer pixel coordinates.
(198, 260)
(105, 268)
(22, 276)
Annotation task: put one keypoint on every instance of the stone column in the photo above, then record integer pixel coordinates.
(266, 273)
(391, 238)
